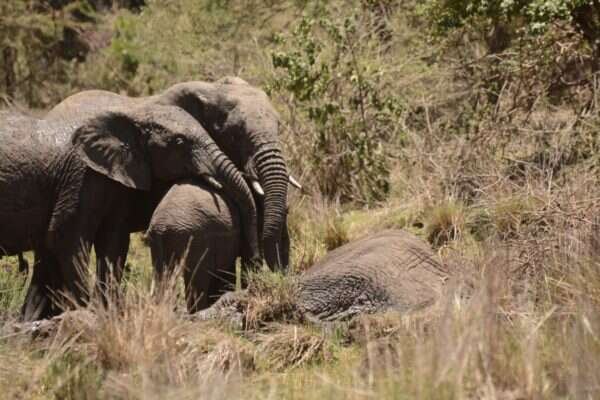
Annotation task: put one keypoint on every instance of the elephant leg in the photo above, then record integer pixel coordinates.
(103, 220)
(111, 247)
(58, 280)
(44, 288)
(112, 244)
(158, 262)
(221, 281)
(196, 279)
(168, 253)
(73, 258)
(222, 275)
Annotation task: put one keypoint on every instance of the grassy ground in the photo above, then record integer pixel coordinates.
(519, 320)
(508, 196)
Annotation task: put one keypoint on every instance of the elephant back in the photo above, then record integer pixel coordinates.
(392, 269)
(191, 206)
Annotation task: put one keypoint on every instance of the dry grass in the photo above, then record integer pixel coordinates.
(271, 298)
(527, 335)
(284, 347)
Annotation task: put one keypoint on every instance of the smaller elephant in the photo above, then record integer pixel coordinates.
(197, 227)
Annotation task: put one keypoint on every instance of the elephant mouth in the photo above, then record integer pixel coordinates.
(204, 170)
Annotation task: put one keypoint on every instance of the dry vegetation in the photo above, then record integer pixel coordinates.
(486, 153)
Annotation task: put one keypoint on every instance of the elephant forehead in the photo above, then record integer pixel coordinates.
(257, 115)
(173, 119)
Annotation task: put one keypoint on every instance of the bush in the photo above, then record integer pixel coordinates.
(522, 51)
(326, 67)
(33, 52)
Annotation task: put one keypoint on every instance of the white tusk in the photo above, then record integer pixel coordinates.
(213, 182)
(257, 188)
(295, 183)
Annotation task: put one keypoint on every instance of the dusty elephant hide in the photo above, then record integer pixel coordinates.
(391, 270)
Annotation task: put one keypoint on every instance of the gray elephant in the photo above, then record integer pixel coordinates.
(243, 123)
(391, 270)
(198, 228)
(68, 184)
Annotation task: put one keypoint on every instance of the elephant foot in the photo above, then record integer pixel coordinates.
(45, 285)
(38, 305)
(35, 329)
(231, 308)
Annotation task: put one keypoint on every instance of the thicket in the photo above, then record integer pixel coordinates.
(43, 41)
(540, 49)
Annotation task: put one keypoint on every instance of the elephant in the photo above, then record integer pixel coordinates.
(243, 123)
(197, 228)
(390, 270)
(68, 184)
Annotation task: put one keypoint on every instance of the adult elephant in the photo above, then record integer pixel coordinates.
(68, 184)
(196, 228)
(243, 123)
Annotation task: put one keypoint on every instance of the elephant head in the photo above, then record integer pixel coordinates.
(164, 143)
(244, 124)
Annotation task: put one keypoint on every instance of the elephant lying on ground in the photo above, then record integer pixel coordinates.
(66, 184)
(391, 270)
(245, 126)
(197, 227)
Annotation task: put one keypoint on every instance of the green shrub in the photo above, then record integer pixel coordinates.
(35, 55)
(326, 66)
(526, 53)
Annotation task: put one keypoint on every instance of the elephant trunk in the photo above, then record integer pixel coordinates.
(234, 184)
(273, 176)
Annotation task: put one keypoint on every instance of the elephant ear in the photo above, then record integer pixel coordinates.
(112, 145)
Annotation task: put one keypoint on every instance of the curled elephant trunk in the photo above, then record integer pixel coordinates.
(234, 184)
(273, 176)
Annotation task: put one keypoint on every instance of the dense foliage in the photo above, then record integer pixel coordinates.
(534, 48)
(334, 83)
